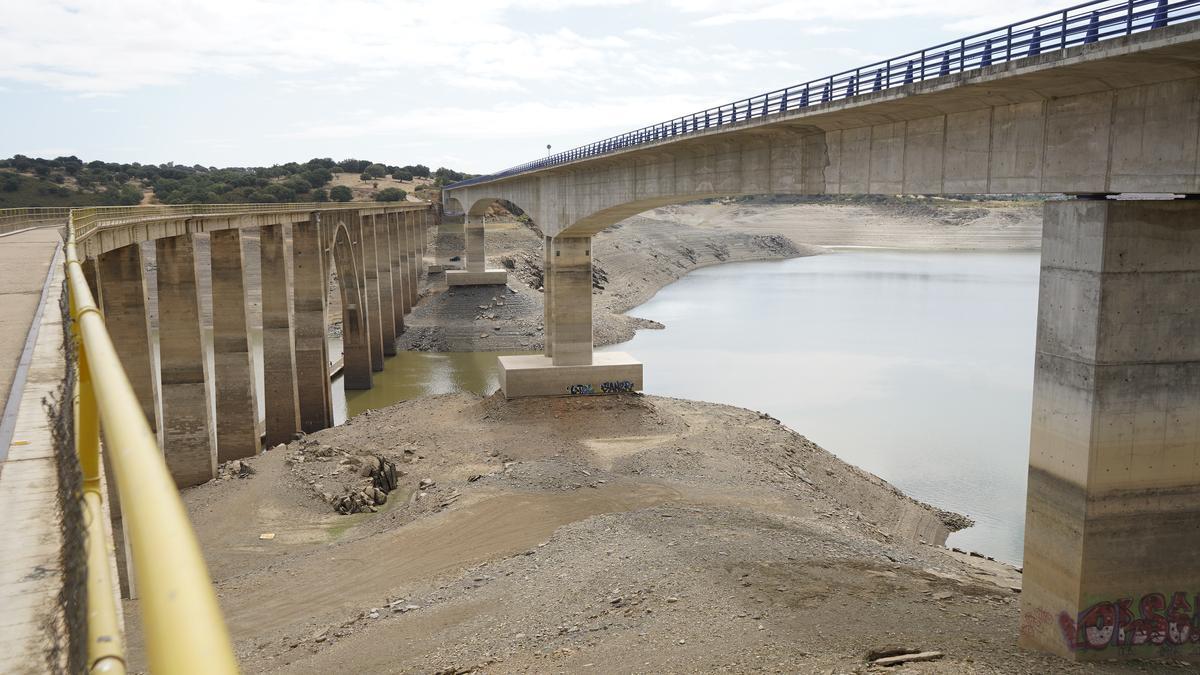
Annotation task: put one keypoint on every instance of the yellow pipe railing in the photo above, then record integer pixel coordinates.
(181, 621)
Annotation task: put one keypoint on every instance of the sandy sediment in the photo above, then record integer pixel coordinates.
(617, 534)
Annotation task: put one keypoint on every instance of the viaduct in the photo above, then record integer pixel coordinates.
(1112, 566)
(1097, 105)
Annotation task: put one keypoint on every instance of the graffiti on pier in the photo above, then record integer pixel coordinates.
(1153, 622)
(607, 388)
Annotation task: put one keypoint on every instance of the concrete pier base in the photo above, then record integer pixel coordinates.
(468, 278)
(536, 375)
(1112, 570)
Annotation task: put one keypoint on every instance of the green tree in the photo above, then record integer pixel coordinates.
(376, 171)
(341, 193)
(390, 195)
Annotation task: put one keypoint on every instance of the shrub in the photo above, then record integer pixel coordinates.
(390, 195)
(341, 193)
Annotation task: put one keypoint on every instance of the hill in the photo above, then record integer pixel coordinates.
(69, 181)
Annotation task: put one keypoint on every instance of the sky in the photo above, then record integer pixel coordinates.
(477, 86)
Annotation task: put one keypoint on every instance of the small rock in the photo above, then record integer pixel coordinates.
(425, 483)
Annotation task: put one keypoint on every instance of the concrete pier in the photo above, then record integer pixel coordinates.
(569, 368)
(387, 312)
(405, 252)
(188, 443)
(1111, 563)
(123, 302)
(369, 253)
(412, 257)
(282, 402)
(356, 344)
(237, 404)
(396, 259)
(475, 272)
(309, 278)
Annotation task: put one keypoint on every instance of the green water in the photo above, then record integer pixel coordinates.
(410, 375)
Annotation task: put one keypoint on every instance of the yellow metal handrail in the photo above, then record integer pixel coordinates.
(182, 624)
(12, 220)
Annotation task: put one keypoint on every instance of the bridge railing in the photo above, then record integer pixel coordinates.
(12, 220)
(182, 625)
(1080, 24)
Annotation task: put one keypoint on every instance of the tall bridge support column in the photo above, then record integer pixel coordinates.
(422, 222)
(370, 257)
(233, 368)
(311, 311)
(396, 243)
(1112, 569)
(569, 367)
(412, 272)
(282, 402)
(405, 251)
(123, 300)
(383, 251)
(188, 443)
(476, 272)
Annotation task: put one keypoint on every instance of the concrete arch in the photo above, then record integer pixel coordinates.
(356, 346)
(452, 206)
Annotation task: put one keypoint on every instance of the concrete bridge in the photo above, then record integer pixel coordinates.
(377, 253)
(1083, 106)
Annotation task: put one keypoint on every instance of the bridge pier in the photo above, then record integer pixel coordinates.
(233, 367)
(412, 257)
(569, 366)
(189, 447)
(381, 223)
(476, 272)
(404, 263)
(1112, 569)
(395, 222)
(282, 403)
(123, 301)
(309, 277)
(370, 257)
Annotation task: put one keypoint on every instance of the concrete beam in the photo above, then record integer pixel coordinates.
(1111, 562)
(188, 441)
(280, 393)
(405, 254)
(310, 279)
(233, 367)
(412, 271)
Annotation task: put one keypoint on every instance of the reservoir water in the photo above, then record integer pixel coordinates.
(916, 366)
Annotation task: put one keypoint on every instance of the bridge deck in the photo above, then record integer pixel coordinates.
(31, 628)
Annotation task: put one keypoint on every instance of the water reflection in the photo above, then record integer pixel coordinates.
(916, 366)
(410, 375)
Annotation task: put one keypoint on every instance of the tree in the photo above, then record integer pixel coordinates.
(320, 195)
(10, 183)
(390, 195)
(341, 193)
(402, 174)
(376, 171)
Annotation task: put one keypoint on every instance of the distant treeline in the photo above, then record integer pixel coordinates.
(69, 181)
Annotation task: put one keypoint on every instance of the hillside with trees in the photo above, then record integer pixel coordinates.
(69, 181)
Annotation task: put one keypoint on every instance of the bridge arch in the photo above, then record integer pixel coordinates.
(352, 287)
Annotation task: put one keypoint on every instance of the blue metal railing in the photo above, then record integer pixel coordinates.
(1081, 24)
